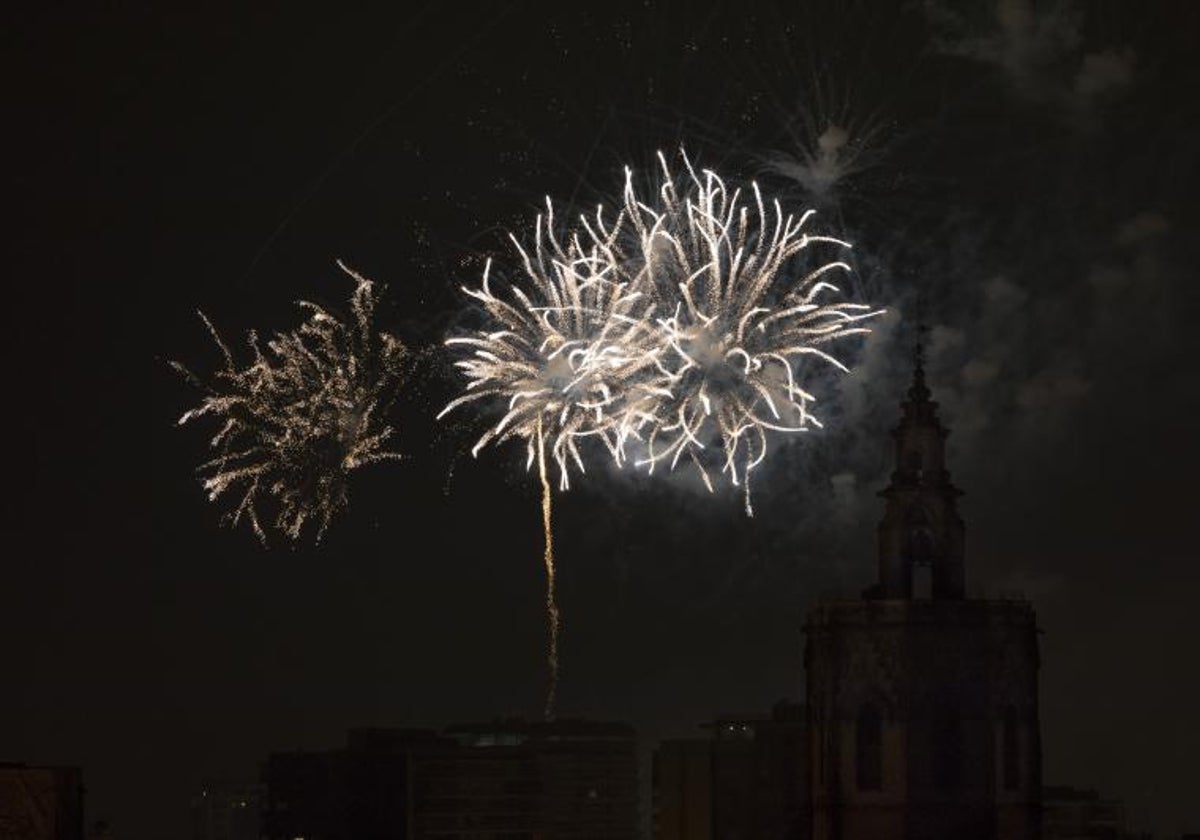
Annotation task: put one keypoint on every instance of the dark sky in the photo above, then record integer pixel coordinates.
(1030, 172)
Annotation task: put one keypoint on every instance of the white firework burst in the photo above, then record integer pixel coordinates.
(681, 328)
(558, 351)
(742, 316)
(684, 330)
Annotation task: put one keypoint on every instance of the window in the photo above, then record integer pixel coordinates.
(919, 548)
(818, 741)
(1012, 750)
(947, 749)
(868, 743)
(922, 582)
(912, 462)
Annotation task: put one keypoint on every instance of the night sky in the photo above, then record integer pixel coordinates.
(1029, 173)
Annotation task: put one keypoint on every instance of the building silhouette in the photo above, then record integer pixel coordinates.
(41, 803)
(362, 791)
(227, 810)
(682, 782)
(921, 716)
(505, 780)
(749, 779)
(512, 779)
(1072, 814)
(923, 703)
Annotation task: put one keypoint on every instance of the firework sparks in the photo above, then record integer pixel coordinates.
(308, 410)
(552, 613)
(557, 354)
(682, 328)
(745, 318)
(836, 146)
(818, 168)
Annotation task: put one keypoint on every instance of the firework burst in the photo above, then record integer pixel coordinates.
(832, 154)
(557, 354)
(300, 417)
(681, 328)
(742, 318)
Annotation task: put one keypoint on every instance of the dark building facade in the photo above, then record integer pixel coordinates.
(507, 780)
(227, 810)
(362, 792)
(682, 782)
(511, 779)
(748, 781)
(41, 803)
(1073, 814)
(923, 703)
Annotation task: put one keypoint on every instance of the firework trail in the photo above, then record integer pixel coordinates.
(308, 410)
(681, 328)
(552, 613)
(558, 354)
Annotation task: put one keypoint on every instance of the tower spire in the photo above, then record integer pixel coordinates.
(918, 391)
(921, 525)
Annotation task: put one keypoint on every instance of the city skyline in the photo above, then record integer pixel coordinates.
(1032, 179)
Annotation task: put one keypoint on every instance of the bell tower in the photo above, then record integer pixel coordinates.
(922, 702)
(921, 531)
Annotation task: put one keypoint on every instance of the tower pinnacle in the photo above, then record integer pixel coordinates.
(918, 391)
(921, 526)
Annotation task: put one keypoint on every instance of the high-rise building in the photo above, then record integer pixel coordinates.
(1073, 814)
(748, 780)
(41, 803)
(512, 779)
(362, 792)
(682, 781)
(507, 780)
(923, 703)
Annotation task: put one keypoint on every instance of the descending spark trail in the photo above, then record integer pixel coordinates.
(308, 410)
(552, 613)
(683, 329)
(555, 353)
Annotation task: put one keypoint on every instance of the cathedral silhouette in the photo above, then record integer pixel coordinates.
(922, 703)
